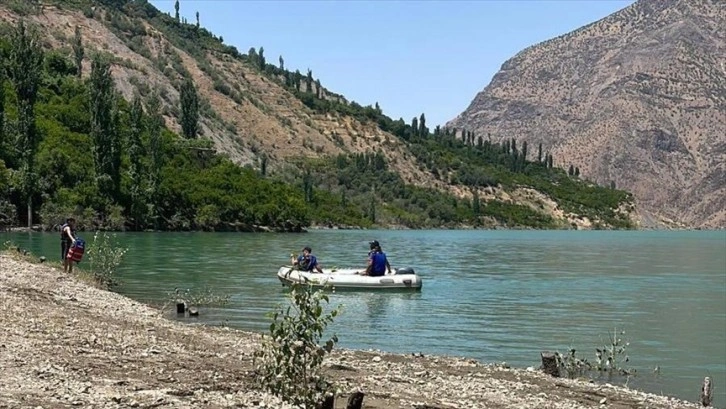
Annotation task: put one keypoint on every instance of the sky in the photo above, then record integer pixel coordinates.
(410, 56)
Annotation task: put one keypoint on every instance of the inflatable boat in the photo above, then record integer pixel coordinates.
(350, 278)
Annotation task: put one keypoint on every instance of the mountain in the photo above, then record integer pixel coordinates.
(637, 99)
(309, 156)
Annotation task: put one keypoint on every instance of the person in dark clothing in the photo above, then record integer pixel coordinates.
(68, 237)
(307, 261)
(377, 261)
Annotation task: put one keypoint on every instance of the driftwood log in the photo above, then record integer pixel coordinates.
(706, 392)
(355, 401)
(549, 363)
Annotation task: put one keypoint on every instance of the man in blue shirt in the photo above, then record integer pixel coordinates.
(377, 261)
(306, 261)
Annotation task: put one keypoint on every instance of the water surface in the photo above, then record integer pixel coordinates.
(497, 296)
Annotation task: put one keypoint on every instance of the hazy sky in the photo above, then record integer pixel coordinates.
(409, 56)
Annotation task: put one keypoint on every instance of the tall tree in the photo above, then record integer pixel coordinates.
(197, 20)
(104, 128)
(24, 69)
(189, 100)
(423, 131)
(539, 153)
(78, 51)
(309, 80)
(155, 124)
(136, 152)
(282, 64)
(176, 10)
(414, 126)
(3, 148)
(261, 58)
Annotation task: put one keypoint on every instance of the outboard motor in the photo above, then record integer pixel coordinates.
(405, 270)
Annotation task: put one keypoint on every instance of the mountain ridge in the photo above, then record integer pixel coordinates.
(636, 98)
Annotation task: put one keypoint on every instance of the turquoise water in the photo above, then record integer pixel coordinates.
(497, 296)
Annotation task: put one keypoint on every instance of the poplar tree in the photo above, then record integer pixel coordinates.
(104, 128)
(282, 64)
(189, 100)
(3, 148)
(136, 118)
(197, 20)
(24, 69)
(423, 131)
(176, 10)
(78, 51)
(154, 125)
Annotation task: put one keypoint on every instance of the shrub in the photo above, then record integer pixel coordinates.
(288, 364)
(105, 257)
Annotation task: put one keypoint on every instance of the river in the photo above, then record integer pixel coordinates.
(494, 295)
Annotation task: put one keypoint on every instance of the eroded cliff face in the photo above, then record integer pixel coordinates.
(637, 98)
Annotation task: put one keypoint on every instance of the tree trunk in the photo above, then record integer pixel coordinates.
(706, 392)
(30, 212)
(549, 364)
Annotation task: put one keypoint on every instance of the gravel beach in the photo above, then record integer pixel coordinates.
(65, 343)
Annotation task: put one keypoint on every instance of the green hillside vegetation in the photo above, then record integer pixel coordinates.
(115, 165)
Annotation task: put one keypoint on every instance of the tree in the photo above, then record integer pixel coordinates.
(475, 203)
(309, 80)
(176, 10)
(282, 64)
(104, 128)
(197, 20)
(189, 100)
(154, 126)
(24, 69)
(261, 58)
(539, 154)
(78, 52)
(136, 170)
(3, 148)
(423, 131)
(414, 126)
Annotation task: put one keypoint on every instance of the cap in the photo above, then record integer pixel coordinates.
(374, 244)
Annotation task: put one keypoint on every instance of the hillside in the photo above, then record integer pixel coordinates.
(637, 99)
(352, 164)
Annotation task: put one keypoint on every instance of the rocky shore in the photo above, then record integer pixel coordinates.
(65, 343)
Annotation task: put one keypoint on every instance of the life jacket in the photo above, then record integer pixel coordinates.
(63, 236)
(77, 250)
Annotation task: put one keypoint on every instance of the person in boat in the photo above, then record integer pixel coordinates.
(307, 261)
(377, 261)
(68, 233)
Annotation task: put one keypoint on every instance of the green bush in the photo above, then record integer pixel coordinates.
(288, 363)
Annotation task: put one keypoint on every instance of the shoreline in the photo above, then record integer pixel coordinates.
(68, 344)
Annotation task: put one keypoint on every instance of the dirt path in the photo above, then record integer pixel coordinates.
(67, 344)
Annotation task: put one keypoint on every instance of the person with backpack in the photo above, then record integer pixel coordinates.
(377, 261)
(68, 237)
(306, 261)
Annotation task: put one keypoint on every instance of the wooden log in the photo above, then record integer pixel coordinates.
(706, 392)
(549, 363)
(355, 401)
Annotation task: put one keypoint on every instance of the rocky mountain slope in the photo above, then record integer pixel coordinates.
(247, 110)
(637, 98)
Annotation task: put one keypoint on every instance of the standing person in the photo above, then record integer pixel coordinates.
(68, 237)
(377, 261)
(306, 261)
